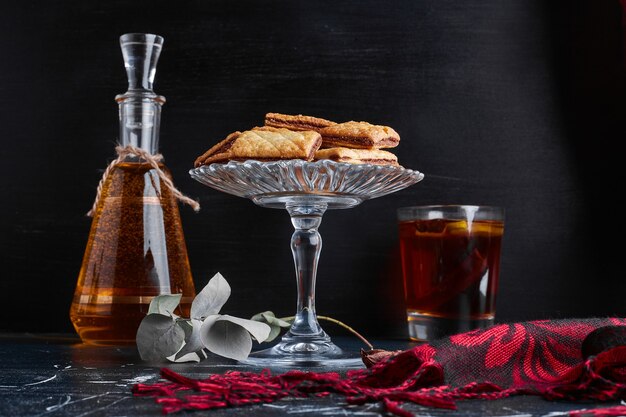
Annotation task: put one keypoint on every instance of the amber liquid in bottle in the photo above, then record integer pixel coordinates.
(136, 248)
(135, 251)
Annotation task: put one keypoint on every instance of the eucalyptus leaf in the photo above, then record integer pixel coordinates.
(206, 325)
(275, 323)
(274, 332)
(188, 352)
(158, 337)
(210, 300)
(226, 338)
(269, 318)
(193, 341)
(164, 304)
(190, 357)
(260, 331)
(187, 327)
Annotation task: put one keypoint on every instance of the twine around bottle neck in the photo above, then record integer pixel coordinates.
(153, 160)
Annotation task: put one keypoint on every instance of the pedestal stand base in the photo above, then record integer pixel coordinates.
(332, 359)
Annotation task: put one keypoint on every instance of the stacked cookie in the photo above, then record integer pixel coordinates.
(309, 138)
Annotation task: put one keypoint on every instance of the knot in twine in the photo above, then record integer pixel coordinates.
(153, 160)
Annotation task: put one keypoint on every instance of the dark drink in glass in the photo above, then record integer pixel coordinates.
(450, 263)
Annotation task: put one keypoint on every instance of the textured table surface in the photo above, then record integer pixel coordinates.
(56, 375)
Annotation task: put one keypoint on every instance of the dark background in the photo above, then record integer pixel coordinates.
(511, 103)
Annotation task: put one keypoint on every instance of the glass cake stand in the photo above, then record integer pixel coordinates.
(306, 190)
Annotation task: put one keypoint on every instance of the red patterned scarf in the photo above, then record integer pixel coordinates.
(557, 359)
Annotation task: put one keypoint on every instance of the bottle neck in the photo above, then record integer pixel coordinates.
(140, 119)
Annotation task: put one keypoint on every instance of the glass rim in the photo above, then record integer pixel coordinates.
(139, 37)
(484, 212)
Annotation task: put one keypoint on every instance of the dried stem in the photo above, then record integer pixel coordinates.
(338, 323)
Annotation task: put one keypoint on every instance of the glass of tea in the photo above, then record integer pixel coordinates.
(450, 264)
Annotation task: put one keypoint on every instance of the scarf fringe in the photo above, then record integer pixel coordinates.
(412, 376)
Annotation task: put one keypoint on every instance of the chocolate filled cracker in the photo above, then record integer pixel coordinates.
(358, 156)
(263, 144)
(362, 135)
(296, 122)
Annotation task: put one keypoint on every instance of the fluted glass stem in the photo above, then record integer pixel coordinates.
(306, 245)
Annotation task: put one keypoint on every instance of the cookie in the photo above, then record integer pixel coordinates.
(361, 135)
(358, 156)
(296, 122)
(263, 144)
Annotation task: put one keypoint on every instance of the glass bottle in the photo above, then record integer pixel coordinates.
(136, 247)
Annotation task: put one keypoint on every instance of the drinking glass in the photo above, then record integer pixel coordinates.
(450, 265)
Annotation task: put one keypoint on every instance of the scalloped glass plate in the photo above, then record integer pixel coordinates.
(274, 184)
